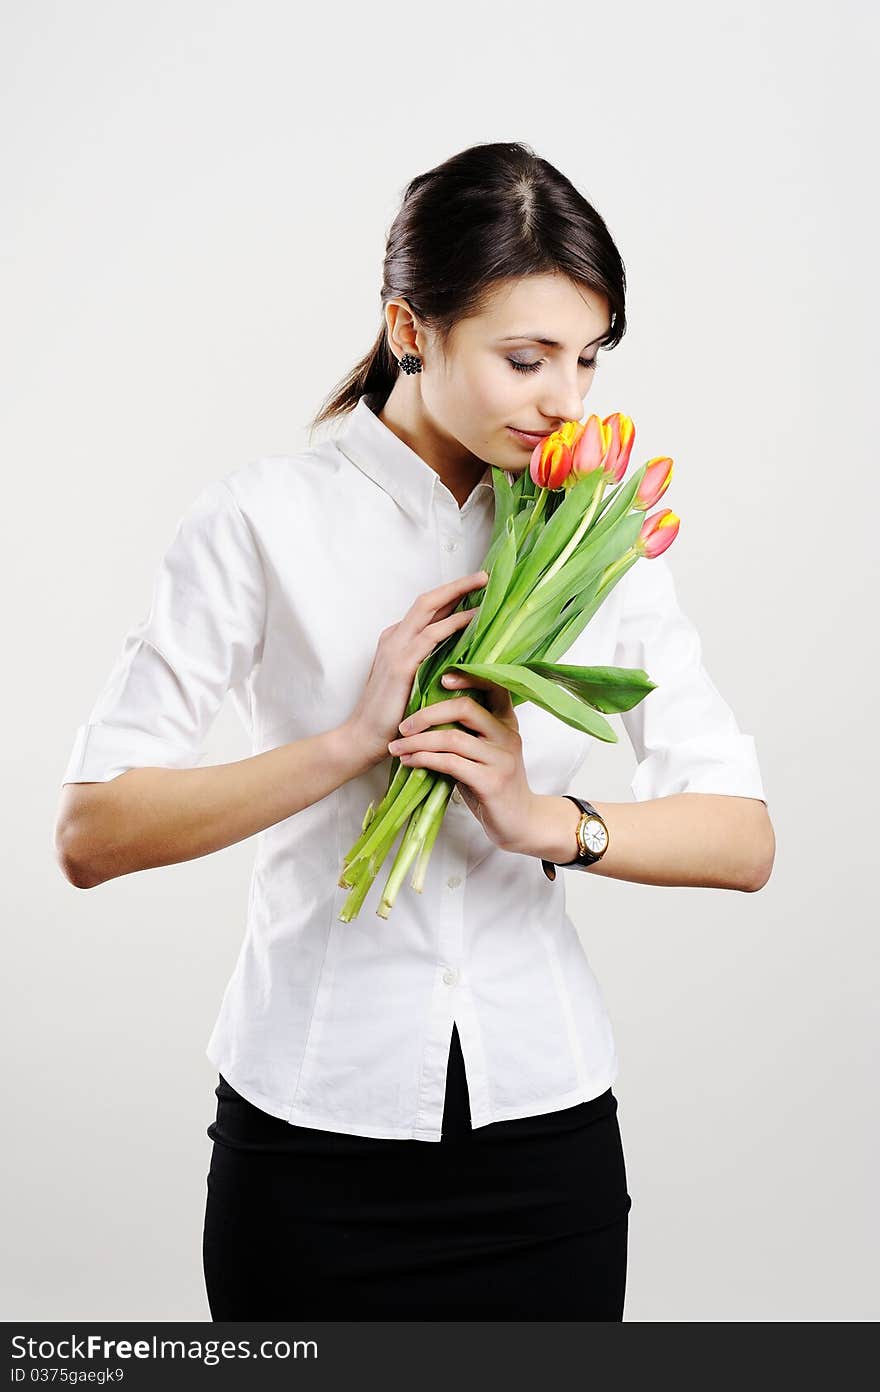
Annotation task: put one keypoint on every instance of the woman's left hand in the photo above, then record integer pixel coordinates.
(488, 765)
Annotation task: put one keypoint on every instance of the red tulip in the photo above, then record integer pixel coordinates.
(658, 531)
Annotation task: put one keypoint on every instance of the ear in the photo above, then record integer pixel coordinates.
(405, 334)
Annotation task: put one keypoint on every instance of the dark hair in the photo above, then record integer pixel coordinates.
(490, 213)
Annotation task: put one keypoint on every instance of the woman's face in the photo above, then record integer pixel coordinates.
(495, 378)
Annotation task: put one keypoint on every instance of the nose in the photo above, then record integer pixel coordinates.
(562, 400)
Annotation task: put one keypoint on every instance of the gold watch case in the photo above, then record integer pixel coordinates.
(592, 835)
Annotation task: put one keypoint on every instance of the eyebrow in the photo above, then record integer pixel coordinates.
(548, 342)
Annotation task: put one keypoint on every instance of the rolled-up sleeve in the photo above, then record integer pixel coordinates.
(685, 736)
(202, 637)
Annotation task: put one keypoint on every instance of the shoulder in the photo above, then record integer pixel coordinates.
(286, 489)
(272, 475)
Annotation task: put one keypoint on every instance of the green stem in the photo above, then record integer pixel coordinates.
(352, 905)
(395, 788)
(536, 513)
(421, 833)
(393, 818)
(361, 874)
(418, 879)
(408, 849)
(431, 815)
(582, 527)
(624, 561)
(525, 610)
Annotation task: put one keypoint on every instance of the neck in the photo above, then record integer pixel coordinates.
(458, 469)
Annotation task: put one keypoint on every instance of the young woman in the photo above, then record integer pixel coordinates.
(415, 1116)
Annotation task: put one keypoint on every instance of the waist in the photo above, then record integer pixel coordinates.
(242, 1125)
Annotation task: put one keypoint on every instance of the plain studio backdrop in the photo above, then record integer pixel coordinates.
(196, 197)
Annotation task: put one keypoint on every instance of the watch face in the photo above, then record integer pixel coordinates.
(594, 836)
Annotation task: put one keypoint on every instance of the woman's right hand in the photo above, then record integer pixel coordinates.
(401, 649)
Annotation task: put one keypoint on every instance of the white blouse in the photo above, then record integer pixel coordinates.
(278, 581)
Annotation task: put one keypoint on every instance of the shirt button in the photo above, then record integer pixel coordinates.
(450, 546)
(450, 976)
(456, 794)
(454, 881)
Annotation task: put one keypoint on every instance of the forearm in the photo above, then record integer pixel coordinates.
(149, 817)
(713, 840)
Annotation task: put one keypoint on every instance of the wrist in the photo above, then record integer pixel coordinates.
(352, 750)
(550, 830)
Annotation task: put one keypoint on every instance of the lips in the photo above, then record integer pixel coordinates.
(532, 436)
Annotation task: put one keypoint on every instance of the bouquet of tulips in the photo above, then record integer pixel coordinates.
(566, 530)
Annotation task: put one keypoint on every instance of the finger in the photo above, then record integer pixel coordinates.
(464, 771)
(439, 602)
(449, 607)
(440, 628)
(423, 643)
(500, 703)
(472, 747)
(461, 708)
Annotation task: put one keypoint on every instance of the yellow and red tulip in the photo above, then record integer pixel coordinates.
(550, 464)
(658, 531)
(622, 433)
(656, 479)
(590, 448)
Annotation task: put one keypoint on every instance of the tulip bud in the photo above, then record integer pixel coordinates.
(590, 447)
(654, 484)
(622, 433)
(658, 531)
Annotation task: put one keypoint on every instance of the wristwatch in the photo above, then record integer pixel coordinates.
(592, 840)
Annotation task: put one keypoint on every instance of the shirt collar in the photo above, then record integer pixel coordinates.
(388, 461)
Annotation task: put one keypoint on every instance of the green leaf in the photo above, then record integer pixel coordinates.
(578, 615)
(506, 502)
(521, 523)
(591, 557)
(499, 579)
(530, 686)
(557, 532)
(609, 689)
(618, 503)
(549, 597)
(528, 589)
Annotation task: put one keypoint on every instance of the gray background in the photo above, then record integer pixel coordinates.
(195, 202)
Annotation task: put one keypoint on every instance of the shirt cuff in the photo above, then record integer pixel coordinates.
(100, 752)
(704, 764)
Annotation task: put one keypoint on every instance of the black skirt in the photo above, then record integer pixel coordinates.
(521, 1219)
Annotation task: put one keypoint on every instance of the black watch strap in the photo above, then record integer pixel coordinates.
(582, 861)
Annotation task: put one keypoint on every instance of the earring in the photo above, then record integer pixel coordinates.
(410, 363)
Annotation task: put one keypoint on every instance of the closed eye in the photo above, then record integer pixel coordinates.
(533, 366)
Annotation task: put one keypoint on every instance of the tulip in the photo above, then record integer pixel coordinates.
(590, 448)
(658, 532)
(655, 482)
(550, 464)
(623, 434)
(570, 432)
